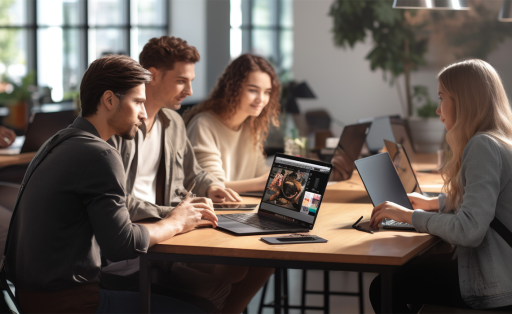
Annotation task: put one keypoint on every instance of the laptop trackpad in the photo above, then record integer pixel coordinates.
(235, 226)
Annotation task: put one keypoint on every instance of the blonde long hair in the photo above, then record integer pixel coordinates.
(481, 106)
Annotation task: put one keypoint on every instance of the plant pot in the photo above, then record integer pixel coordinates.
(18, 117)
(427, 134)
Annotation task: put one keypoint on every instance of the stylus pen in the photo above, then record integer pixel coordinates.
(355, 226)
(189, 193)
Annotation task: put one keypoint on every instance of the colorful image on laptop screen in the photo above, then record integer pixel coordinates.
(295, 188)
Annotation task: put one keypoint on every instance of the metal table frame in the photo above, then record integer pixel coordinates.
(386, 272)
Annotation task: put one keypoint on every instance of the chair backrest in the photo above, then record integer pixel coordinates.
(8, 303)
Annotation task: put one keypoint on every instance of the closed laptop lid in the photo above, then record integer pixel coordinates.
(348, 150)
(295, 188)
(381, 180)
(403, 166)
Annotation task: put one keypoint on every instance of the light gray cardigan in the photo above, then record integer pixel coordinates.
(485, 259)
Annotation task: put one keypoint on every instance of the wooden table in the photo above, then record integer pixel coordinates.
(347, 249)
(20, 159)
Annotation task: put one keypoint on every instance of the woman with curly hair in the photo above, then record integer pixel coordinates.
(228, 129)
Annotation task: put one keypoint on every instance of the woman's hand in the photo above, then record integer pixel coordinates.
(392, 211)
(419, 201)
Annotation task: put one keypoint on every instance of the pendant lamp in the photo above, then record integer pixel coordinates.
(431, 4)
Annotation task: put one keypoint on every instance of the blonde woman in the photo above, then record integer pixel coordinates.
(228, 129)
(476, 113)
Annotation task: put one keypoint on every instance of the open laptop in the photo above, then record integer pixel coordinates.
(383, 184)
(348, 150)
(400, 159)
(291, 200)
(43, 126)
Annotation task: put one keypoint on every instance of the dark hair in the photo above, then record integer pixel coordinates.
(225, 97)
(163, 52)
(116, 73)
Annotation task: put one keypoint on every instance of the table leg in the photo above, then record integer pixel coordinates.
(277, 290)
(387, 291)
(144, 285)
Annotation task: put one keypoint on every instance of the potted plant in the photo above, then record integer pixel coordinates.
(426, 128)
(17, 96)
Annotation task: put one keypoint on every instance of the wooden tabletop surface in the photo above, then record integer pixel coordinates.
(20, 159)
(343, 203)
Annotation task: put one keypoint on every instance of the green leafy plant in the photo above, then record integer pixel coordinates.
(427, 107)
(18, 91)
(399, 44)
(401, 37)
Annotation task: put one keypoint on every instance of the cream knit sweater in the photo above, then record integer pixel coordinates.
(228, 155)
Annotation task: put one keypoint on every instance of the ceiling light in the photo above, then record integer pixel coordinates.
(432, 4)
(506, 11)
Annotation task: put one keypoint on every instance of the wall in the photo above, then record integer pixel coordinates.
(188, 22)
(342, 79)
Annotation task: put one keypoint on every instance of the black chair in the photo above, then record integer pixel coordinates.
(326, 292)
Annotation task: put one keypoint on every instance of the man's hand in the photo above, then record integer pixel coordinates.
(392, 211)
(7, 137)
(219, 194)
(188, 215)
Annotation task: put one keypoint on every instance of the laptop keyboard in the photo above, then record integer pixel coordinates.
(257, 221)
(394, 223)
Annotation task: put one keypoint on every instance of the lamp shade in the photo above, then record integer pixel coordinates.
(431, 4)
(506, 11)
(291, 106)
(302, 90)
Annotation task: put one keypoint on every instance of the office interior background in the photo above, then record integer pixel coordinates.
(46, 45)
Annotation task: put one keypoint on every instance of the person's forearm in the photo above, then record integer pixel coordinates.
(256, 184)
(161, 231)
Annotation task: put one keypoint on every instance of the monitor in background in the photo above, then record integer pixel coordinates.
(43, 126)
(381, 130)
(348, 150)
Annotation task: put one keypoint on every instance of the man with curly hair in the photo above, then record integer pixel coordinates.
(160, 163)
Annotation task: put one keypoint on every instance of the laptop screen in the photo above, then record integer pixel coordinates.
(403, 167)
(381, 130)
(348, 150)
(381, 180)
(295, 188)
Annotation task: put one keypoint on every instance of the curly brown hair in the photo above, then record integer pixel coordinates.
(225, 97)
(163, 52)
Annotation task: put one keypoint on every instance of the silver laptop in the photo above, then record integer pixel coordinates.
(403, 167)
(383, 184)
(291, 200)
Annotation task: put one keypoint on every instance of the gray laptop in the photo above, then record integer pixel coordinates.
(403, 167)
(383, 184)
(291, 200)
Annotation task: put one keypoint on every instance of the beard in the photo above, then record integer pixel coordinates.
(120, 127)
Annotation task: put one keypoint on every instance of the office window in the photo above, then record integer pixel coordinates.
(263, 27)
(60, 38)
